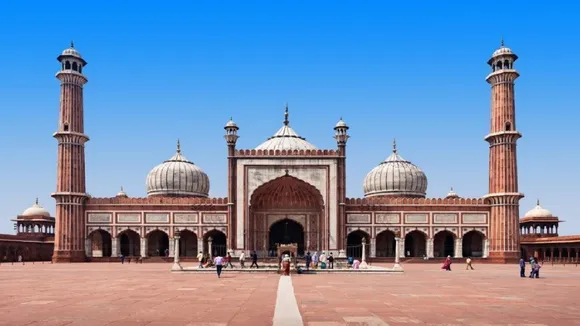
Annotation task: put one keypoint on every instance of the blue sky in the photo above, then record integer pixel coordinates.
(411, 71)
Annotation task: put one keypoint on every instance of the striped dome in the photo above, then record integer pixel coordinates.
(395, 177)
(177, 177)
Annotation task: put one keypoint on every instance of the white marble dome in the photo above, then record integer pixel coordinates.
(36, 210)
(177, 177)
(71, 51)
(122, 193)
(538, 211)
(395, 177)
(286, 139)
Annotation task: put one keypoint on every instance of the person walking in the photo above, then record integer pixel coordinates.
(200, 258)
(331, 261)
(522, 267)
(254, 259)
(308, 260)
(242, 259)
(229, 261)
(218, 261)
(468, 264)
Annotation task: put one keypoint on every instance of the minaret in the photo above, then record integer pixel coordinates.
(341, 136)
(70, 195)
(231, 138)
(504, 235)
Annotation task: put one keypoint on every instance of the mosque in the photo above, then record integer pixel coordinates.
(288, 191)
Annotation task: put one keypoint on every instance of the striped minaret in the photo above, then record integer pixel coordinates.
(504, 197)
(70, 195)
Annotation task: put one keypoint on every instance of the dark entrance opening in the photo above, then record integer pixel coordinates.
(287, 231)
(130, 243)
(158, 243)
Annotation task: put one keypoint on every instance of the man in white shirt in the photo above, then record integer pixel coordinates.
(218, 261)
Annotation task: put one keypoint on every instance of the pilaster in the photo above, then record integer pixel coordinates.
(430, 248)
(88, 247)
(458, 248)
(171, 247)
(115, 246)
(143, 247)
(373, 253)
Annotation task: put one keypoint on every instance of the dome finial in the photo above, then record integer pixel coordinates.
(502, 43)
(451, 188)
(394, 145)
(121, 188)
(36, 202)
(72, 44)
(286, 121)
(537, 202)
(178, 146)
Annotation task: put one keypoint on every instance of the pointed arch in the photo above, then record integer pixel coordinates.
(285, 191)
(473, 244)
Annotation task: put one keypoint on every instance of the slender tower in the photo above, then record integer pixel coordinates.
(70, 195)
(231, 138)
(341, 136)
(504, 235)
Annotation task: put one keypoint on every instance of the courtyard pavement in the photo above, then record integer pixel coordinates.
(149, 294)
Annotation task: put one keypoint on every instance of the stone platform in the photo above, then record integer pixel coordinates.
(275, 270)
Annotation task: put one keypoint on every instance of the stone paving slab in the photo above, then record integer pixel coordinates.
(148, 294)
(488, 295)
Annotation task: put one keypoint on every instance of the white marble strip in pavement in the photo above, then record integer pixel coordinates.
(286, 312)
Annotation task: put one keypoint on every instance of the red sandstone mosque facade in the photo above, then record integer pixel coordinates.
(287, 190)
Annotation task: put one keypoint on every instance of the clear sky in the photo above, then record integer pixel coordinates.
(180, 70)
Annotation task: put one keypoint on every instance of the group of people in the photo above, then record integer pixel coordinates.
(220, 262)
(319, 261)
(447, 264)
(534, 266)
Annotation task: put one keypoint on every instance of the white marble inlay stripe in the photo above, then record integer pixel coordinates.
(286, 312)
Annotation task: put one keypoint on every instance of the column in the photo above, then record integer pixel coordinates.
(199, 245)
(115, 247)
(175, 253)
(397, 255)
(373, 247)
(430, 248)
(172, 246)
(209, 247)
(485, 248)
(458, 248)
(88, 245)
(402, 249)
(363, 264)
(143, 247)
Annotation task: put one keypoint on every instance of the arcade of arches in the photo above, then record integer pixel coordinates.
(417, 244)
(155, 244)
(558, 253)
(286, 210)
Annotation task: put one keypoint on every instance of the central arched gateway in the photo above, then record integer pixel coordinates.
(286, 210)
(287, 231)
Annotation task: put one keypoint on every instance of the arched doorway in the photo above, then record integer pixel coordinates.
(157, 243)
(472, 244)
(415, 244)
(287, 231)
(293, 201)
(354, 244)
(130, 243)
(385, 244)
(444, 244)
(187, 244)
(218, 243)
(101, 243)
